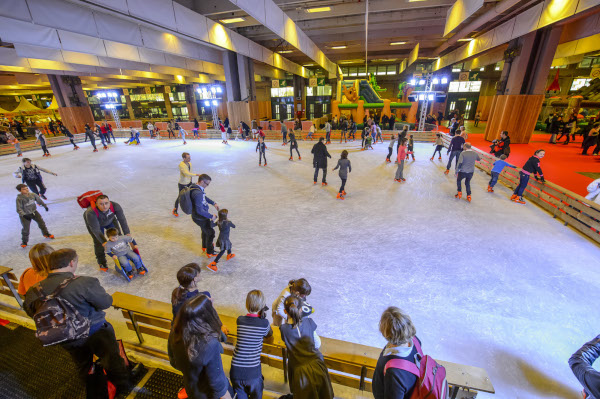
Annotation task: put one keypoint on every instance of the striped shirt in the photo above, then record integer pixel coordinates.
(245, 363)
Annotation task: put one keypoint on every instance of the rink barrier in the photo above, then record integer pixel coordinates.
(8, 284)
(572, 209)
(349, 364)
(51, 141)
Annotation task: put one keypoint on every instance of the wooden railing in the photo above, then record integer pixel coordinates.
(571, 208)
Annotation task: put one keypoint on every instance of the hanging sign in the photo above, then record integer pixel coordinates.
(148, 90)
(595, 73)
(126, 92)
(320, 81)
(312, 82)
(474, 76)
(463, 77)
(275, 83)
(167, 89)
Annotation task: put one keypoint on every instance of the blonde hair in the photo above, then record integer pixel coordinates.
(255, 301)
(38, 256)
(396, 327)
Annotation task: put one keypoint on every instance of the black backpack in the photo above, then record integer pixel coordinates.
(56, 319)
(185, 200)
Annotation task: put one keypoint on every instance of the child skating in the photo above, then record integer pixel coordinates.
(14, 141)
(531, 166)
(378, 135)
(89, 133)
(368, 141)
(439, 144)
(345, 167)
(465, 170)
(223, 242)
(410, 148)
(30, 174)
(311, 132)
(26, 208)
(401, 157)
(120, 249)
(390, 148)
(496, 170)
(261, 148)
(294, 146)
(182, 132)
(41, 138)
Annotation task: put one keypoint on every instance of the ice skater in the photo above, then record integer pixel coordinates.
(200, 214)
(89, 133)
(410, 148)
(368, 141)
(294, 146)
(29, 174)
(496, 170)
(327, 132)
(223, 241)
(353, 130)
(120, 249)
(311, 132)
(185, 178)
(374, 132)
(14, 141)
(344, 131)
(454, 149)
(223, 133)
(261, 147)
(378, 135)
(182, 132)
(41, 138)
(150, 128)
(102, 138)
(439, 144)
(401, 157)
(390, 148)
(321, 154)
(284, 133)
(26, 209)
(363, 135)
(66, 132)
(170, 129)
(345, 167)
(465, 170)
(531, 166)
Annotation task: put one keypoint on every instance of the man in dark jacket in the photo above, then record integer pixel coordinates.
(502, 147)
(320, 160)
(201, 216)
(581, 363)
(89, 299)
(104, 215)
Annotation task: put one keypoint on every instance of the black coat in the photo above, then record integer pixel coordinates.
(320, 155)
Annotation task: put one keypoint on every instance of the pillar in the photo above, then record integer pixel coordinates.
(520, 92)
(129, 106)
(243, 78)
(299, 95)
(190, 100)
(167, 103)
(232, 81)
(73, 106)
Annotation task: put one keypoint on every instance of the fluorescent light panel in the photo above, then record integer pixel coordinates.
(468, 39)
(338, 47)
(284, 51)
(232, 20)
(397, 43)
(318, 9)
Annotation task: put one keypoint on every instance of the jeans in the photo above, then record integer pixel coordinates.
(453, 154)
(390, 150)
(467, 177)
(399, 174)
(18, 148)
(103, 344)
(262, 155)
(343, 184)
(438, 149)
(221, 252)
(523, 180)
(27, 222)
(98, 248)
(343, 136)
(248, 389)
(45, 149)
(494, 179)
(208, 234)
(293, 148)
(130, 256)
(284, 138)
(181, 187)
(35, 184)
(317, 174)
(328, 136)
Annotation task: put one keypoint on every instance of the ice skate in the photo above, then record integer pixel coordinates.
(95, 150)
(20, 155)
(314, 182)
(265, 164)
(447, 171)
(260, 164)
(440, 158)
(174, 212)
(519, 200)
(343, 192)
(490, 189)
(403, 179)
(211, 255)
(212, 266)
(23, 245)
(105, 147)
(458, 195)
(513, 197)
(338, 196)
(50, 236)
(323, 184)
(230, 256)
(204, 250)
(141, 272)
(468, 198)
(75, 148)
(299, 158)
(431, 159)
(291, 158)
(103, 268)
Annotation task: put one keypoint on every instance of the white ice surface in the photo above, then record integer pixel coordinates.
(490, 284)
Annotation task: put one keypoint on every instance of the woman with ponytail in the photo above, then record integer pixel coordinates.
(188, 277)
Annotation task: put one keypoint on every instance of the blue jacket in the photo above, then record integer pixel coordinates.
(500, 164)
(581, 364)
(201, 202)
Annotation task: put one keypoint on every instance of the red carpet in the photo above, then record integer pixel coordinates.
(561, 165)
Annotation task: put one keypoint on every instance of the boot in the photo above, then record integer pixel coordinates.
(490, 189)
(174, 212)
(95, 150)
(51, 236)
(230, 256)
(447, 171)
(323, 184)
(469, 198)
(440, 158)
(212, 266)
(431, 159)
(513, 197)
(291, 158)
(299, 158)
(519, 200)
(458, 195)
(338, 196)
(343, 192)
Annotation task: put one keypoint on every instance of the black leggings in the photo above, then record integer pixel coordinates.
(294, 147)
(343, 136)
(438, 149)
(72, 142)
(261, 155)
(45, 149)
(221, 254)
(343, 185)
(390, 150)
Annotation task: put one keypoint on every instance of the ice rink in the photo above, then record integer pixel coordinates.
(490, 283)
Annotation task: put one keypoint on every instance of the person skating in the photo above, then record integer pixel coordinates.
(261, 148)
(223, 241)
(410, 148)
(402, 149)
(465, 170)
(368, 141)
(345, 167)
(390, 148)
(363, 135)
(200, 214)
(454, 149)
(353, 130)
(223, 133)
(26, 208)
(98, 217)
(14, 141)
(496, 170)
(581, 363)
(320, 155)
(477, 118)
(284, 133)
(327, 129)
(591, 139)
(29, 174)
(41, 138)
(294, 146)
(531, 166)
(66, 132)
(344, 131)
(311, 132)
(378, 135)
(89, 133)
(101, 135)
(439, 144)
(182, 132)
(185, 178)
(104, 132)
(170, 129)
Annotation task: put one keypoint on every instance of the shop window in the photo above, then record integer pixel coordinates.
(391, 69)
(353, 71)
(361, 71)
(579, 83)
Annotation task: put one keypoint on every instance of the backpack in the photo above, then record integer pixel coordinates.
(56, 319)
(89, 199)
(431, 376)
(185, 200)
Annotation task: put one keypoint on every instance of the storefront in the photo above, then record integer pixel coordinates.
(318, 101)
(282, 103)
(463, 96)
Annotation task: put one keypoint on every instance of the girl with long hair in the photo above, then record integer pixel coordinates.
(38, 256)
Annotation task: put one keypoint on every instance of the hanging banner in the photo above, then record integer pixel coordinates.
(148, 90)
(125, 92)
(320, 81)
(312, 82)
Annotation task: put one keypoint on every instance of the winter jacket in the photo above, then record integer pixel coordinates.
(320, 155)
(466, 161)
(402, 153)
(31, 173)
(581, 364)
(344, 166)
(456, 144)
(26, 203)
(533, 166)
(594, 191)
(200, 201)
(185, 173)
(95, 223)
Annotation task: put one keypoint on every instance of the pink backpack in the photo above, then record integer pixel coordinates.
(431, 376)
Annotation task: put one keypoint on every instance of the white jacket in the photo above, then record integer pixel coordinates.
(594, 191)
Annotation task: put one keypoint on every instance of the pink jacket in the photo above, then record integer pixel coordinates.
(401, 153)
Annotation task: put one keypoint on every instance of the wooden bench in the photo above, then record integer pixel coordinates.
(349, 364)
(7, 284)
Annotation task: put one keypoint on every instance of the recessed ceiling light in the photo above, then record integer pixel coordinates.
(308, 65)
(232, 20)
(467, 39)
(318, 9)
(396, 43)
(338, 47)
(284, 51)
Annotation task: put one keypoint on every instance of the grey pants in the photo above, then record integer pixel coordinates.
(18, 148)
(130, 256)
(400, 169)
(26, 223)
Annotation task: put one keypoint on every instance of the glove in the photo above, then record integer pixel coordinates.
(46, 208)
